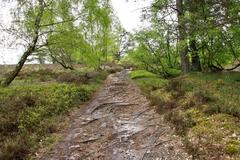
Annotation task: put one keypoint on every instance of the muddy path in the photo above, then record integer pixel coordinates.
(118, 124)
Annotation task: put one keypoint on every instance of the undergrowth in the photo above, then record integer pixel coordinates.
(203, 107)
(35, 106)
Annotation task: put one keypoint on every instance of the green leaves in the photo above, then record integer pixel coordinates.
(70, 31)
(212, 25)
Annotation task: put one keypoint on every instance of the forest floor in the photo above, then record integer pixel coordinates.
(118, 124)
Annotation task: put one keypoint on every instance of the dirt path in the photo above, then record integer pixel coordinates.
(118, 125)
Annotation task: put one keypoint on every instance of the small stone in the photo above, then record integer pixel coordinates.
(234, 135)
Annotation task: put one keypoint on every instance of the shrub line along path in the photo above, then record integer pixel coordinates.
(118, 124)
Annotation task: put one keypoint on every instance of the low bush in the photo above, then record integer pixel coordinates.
(23, 109)
(31, 112)
(69, 77)
(163, 100)
(220, 91)
(203, 107)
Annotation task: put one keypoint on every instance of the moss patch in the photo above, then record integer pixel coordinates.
(233, 147)
(142, 74)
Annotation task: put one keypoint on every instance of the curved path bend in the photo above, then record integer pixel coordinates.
(118, 124)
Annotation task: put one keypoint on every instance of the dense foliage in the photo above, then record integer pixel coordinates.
(64, 32)
(189, 35)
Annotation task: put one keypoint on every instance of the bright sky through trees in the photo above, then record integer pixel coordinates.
(129, 13)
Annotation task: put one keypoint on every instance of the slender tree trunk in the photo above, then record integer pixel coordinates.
(196, 65)
(18, 67)
(185, 65)
(30, 49)
(168, 51)
(61, 59)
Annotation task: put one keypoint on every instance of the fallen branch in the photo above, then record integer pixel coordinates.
(89, 140)
(90, 121)
(160, 143)
(94, 119)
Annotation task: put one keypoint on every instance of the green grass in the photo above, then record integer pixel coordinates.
(203, 107)
(142, 74)
(34, 108)
(147, 81)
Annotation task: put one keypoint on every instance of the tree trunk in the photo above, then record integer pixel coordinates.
(168, 51)
(30, 49)
(18, 67)
(196, 65)
(185, 65)
(61, 62)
